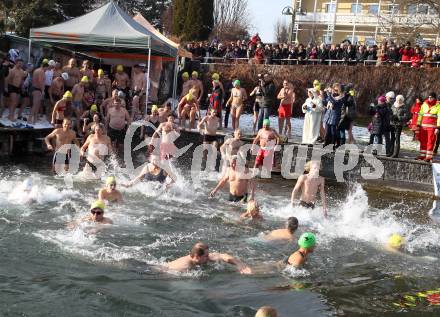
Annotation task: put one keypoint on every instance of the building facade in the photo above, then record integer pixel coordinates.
(363, 21)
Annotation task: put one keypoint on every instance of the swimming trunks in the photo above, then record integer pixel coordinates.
(307, 205)
(14, 90)
(167, 151)
(237, 199)
(209, 138)
(66, 158)
(285, 111)
(116, 135)
(77, 105)
(262, 153)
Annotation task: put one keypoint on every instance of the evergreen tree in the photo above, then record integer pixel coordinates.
(199, 20)
(180, 10)
(150, 9)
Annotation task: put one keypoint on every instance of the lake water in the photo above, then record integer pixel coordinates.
(47, 270)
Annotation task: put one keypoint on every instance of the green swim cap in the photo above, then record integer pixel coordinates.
(266, 122)
(307, 240)
(237, 83)
(110, 180)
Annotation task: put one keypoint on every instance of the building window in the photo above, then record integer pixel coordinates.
(330, 8)
(412, 9)
(422, 9)
(356, 8)
(373, 9)
(393, 8)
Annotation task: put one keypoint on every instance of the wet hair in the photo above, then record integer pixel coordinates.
(266, 311)
(198, 249)
(292, 224)
(66, 120)
(308, 165)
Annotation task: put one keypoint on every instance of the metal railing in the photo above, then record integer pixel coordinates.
(296, 61)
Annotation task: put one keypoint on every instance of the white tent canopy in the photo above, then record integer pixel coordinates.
(107, 27)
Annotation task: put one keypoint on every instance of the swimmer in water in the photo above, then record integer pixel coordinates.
(200, 255)
(153, 172)
(284, 234)
(307, 243)
(96, 216)
(252, 211)
(26, 188)
(309, 185)
(240, 186)
(110, 193)
(266, 311)
(395, 243)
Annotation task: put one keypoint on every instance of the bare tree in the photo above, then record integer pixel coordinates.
(281, 32)
(231, 16)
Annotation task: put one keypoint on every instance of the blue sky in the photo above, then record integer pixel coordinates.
(264, 15)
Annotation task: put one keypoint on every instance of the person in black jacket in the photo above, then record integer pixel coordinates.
(381, 123)
(399, 117)
(4, 72)
(269, 93)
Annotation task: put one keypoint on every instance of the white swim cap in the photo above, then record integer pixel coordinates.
(27, 184)
(51, 62)
(65, 76)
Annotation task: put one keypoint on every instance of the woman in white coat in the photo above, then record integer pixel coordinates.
(312, 119)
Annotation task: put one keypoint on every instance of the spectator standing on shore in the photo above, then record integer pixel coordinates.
(268, 89)
(399, 118)
(381, 123)
(429, 124)
(312, 109)
(335, 101)
(406, 53)
(414, 112)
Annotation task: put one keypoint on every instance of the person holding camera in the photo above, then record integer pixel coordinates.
(268, 97)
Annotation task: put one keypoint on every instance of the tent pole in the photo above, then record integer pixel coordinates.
(176, 71)
(148, 81)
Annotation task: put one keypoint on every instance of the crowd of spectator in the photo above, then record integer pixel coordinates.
(255, 51)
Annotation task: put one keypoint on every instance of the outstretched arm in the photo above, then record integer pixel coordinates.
(226, 258)
(297, 188)
(220, 185)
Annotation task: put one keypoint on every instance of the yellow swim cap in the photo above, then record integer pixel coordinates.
(110, 180)
(94, 108)
(185, 75)
(85, 79)
(98, 204)
(215, 76)
(189, 97)
(396, 241)
(120, 68)
(100, 72)
(195, 74)
(154, 108)
(67, 94)
(45, 61)
(351, 93)
(316, 82)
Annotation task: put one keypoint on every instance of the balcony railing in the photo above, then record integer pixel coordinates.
(367, 19)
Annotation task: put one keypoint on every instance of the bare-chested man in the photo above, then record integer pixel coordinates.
(96, 216)
(110, 193)
(77, 100)
(87, 70)
(62, 136)
(56, 89)
(62, 109)
(138, 85)
(267, 139)
(287, 98)
(210, 124)
(116, 121)
(190, 107)
(164, 112)
(200, 255)
(74, 74)
(232, 145)
(164, 137)
(102, 88)
(284, 234)
(14, 83)
(37, 91)
(122, 81)
(237, 100)
(98, 146)
(241, 187)
(197, 85)
(309, 185)
(109, 102)
(186, 85)
(57, 71)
